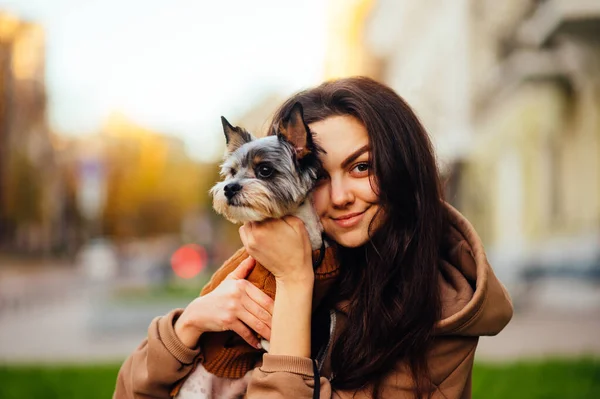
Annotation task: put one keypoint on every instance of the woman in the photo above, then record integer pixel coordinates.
(415, 290)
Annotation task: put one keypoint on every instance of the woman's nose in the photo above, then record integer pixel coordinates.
(341, 194)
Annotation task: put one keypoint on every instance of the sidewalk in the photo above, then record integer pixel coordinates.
(12, 266)
(539, 333)
(67, 331)
(27, 281)
(48, 314)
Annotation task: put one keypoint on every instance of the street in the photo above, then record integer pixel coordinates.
(54, 316)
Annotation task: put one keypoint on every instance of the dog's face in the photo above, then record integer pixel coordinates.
(267, 177)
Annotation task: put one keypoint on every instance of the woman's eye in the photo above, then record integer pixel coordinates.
(361, 168)
(264, 171)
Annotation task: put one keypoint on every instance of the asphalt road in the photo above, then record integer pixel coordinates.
(58, 318)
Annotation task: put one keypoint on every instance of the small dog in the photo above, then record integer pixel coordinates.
(270, 177)
(263, 178)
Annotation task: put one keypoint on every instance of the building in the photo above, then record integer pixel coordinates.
(30, 180)
(532, 179)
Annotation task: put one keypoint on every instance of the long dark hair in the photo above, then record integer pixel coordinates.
(391, 282)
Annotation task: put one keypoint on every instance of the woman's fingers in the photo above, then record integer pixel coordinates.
(243, 331)
(255, 324)
(257, 311)
(243, 269)
(250, 310)
(260, 298)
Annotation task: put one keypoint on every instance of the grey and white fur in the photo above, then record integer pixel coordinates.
(272, 176)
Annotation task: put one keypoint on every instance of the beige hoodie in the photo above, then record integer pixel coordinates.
(474, 303)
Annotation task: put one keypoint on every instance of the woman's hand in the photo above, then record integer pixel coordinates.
(236, 304)
(282, 246)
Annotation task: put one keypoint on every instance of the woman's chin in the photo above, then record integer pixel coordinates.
(351, 239)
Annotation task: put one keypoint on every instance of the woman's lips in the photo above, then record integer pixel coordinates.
(349, 220)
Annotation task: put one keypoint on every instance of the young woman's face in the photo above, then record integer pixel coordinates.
(344, 198)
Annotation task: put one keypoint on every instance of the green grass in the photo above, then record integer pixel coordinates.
(564, 379)
(54, 382)
(568, 379)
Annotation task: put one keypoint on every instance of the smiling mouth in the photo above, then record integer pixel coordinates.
(349, 220)
(348, 216)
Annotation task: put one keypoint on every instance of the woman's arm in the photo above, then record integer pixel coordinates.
(290, 330)
(287, 370)
(168, 354)
(157, 364)
(282, 246)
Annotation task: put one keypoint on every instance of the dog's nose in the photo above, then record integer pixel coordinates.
(231, 188)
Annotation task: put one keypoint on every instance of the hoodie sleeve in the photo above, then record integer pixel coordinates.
(157, 364)
(283, 376)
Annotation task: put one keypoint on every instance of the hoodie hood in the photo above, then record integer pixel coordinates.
(474, 301)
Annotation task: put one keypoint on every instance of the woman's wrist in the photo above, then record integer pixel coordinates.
(187, 332)
(290, 332)
(301, 279)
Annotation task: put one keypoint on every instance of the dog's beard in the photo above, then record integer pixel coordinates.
(254, 202)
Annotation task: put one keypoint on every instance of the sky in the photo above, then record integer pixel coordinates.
(173, 65)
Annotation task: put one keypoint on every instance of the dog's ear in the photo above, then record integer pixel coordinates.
(293, 129)
(235, 137)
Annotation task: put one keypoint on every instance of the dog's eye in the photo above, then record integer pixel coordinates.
(264, 171)
(232, 171)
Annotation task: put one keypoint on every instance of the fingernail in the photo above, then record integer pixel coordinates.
(258, 346)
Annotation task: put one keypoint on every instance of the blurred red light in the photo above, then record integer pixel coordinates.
(188, 260)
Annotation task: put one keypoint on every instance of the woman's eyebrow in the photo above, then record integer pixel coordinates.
(355, 155)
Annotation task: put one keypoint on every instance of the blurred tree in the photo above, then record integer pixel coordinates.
(24, 182)
(151, 182)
